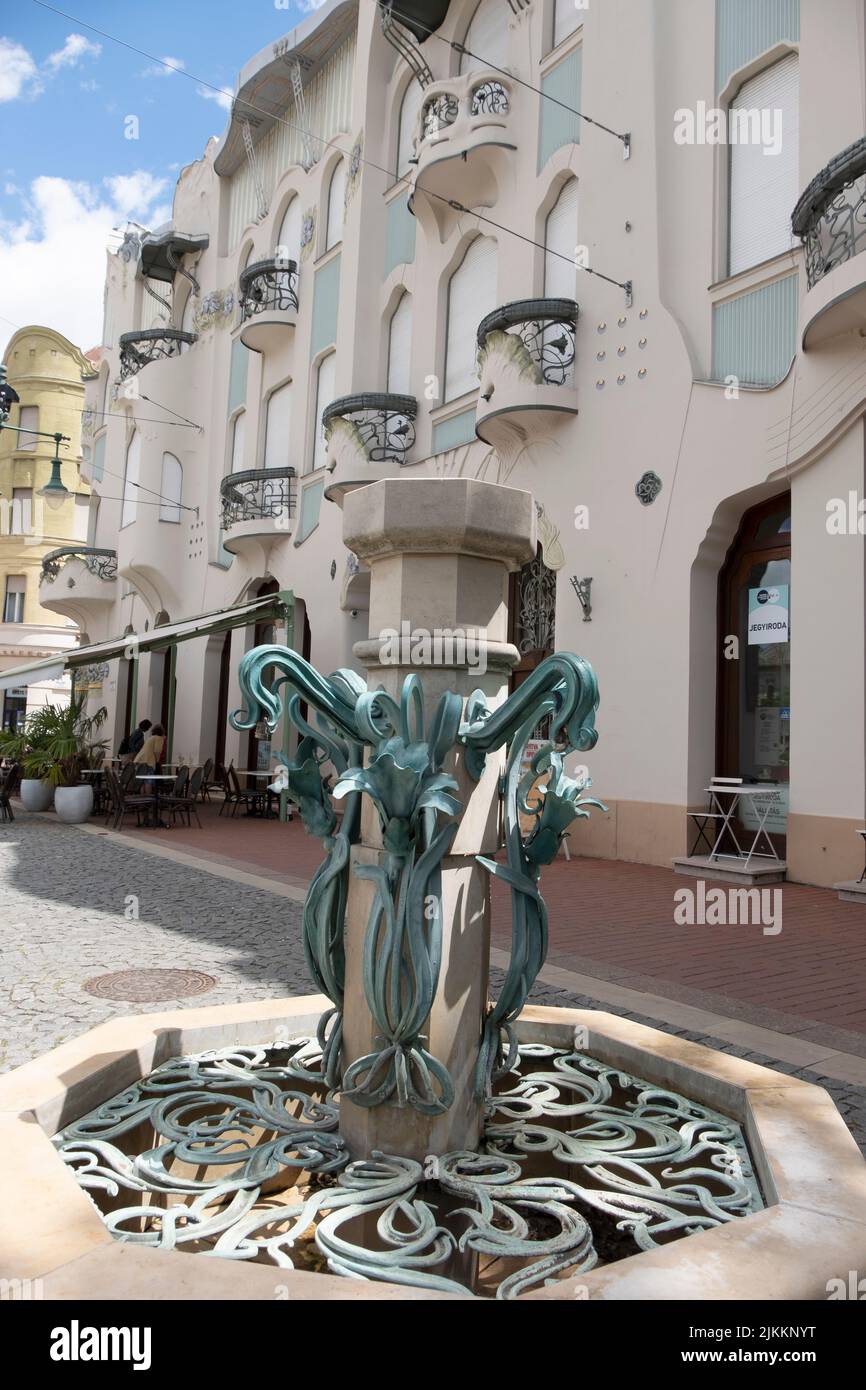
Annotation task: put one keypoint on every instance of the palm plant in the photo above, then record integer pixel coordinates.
(56, 742)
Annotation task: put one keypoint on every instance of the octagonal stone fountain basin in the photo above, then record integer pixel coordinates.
(812, 1176)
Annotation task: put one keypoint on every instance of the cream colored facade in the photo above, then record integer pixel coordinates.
(49, 375)
(726, 389)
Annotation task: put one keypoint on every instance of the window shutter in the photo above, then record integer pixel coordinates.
(764, 187)
(129, 509)
(28, 419)
(336, 201)
(487, 36)
(408, 121)
(560, 237)
(289, 237)
(238, 437)
(277, 427)
(471, 295)
(324, 396)
(566, 18)
(400, 347)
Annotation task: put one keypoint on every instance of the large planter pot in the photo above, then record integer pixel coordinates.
(35, 794)
(73, 804)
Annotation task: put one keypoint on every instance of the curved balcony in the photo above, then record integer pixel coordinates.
(526, 361)
(373, 427)
(77, 580)
(464, 126)
(268, 301)
(258, 506)
(150, 345)
(830, 220)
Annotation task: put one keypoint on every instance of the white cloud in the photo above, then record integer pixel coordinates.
(18, 72)
(308, 6)
(160, 70)
(52, 261)
(75, 48)
(223, 98)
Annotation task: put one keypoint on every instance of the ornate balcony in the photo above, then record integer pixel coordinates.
(77, 580)
(257, 506)
(464, 125)
(526, 360)
(830, 220)
(150, 345)
(268, 300)
(374, 427)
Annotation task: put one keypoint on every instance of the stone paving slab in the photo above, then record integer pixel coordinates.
(68, 904)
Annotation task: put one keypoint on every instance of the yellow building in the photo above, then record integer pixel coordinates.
(48, 373)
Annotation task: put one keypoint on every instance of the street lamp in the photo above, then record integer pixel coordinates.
(54, 492)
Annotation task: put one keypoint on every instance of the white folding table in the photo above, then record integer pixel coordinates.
(754, 794)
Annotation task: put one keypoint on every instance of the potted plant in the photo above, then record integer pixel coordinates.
(54, 751)
(21, 746)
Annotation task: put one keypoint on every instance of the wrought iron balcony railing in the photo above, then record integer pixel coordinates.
(546, 328)
(384, 423)
(259, 494)
(476, 96)
(266, 285)
(830, 216)
(102, 563)
(150, 345)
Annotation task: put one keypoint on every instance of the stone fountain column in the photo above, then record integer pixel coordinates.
(440, 551)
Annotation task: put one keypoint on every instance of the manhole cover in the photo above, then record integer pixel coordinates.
(147, 986)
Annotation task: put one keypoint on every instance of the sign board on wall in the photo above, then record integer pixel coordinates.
(749, 811)
(768, 615)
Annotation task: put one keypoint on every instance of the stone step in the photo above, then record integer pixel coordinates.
(749, 873)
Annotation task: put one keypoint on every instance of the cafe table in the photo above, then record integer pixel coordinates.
(156, 778)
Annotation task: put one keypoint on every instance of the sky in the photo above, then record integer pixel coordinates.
(69, 173)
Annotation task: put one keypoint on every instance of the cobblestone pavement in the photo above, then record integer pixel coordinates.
(67, 905)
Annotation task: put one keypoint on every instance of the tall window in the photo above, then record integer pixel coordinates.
(409, 109)
(81, 517)
(567, 16)
(13, 607)
(324, 396)
(129, 510)
(238, 429)
(763, 135)
(487, 36)
(21, 517)
(471, 295)
(336, 205)
(288, 247)
(171, 488)
(187, 317)
(277, 424)
(400, 347)
(560, 241)
(28, 419)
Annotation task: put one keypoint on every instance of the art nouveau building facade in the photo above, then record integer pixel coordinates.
(683, 415)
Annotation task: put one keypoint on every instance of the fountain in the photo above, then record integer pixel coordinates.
(402, 1127)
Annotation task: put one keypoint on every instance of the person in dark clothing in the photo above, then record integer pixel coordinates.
(135, 742)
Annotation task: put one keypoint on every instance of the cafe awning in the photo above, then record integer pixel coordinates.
(130, 644)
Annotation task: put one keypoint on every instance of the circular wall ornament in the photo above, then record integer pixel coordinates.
(648, 488)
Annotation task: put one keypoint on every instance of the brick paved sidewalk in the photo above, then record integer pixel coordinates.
(615, 921)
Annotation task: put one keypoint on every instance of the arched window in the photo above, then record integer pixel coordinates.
(324, 395)
(567, 16)
(238, 429)
(277, 424)
(336, 205)
(171, 488)
(400, 347)
(129, 509)
(471, 295)
(288, 245)
(487, 37)
(764, 188)
(409, 109)
(560, 240)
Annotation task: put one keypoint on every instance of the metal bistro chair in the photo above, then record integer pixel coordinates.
(182, 803)
(213, 779)
(250, 797)
(712, 814)
(7, 786)
(122, 802)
